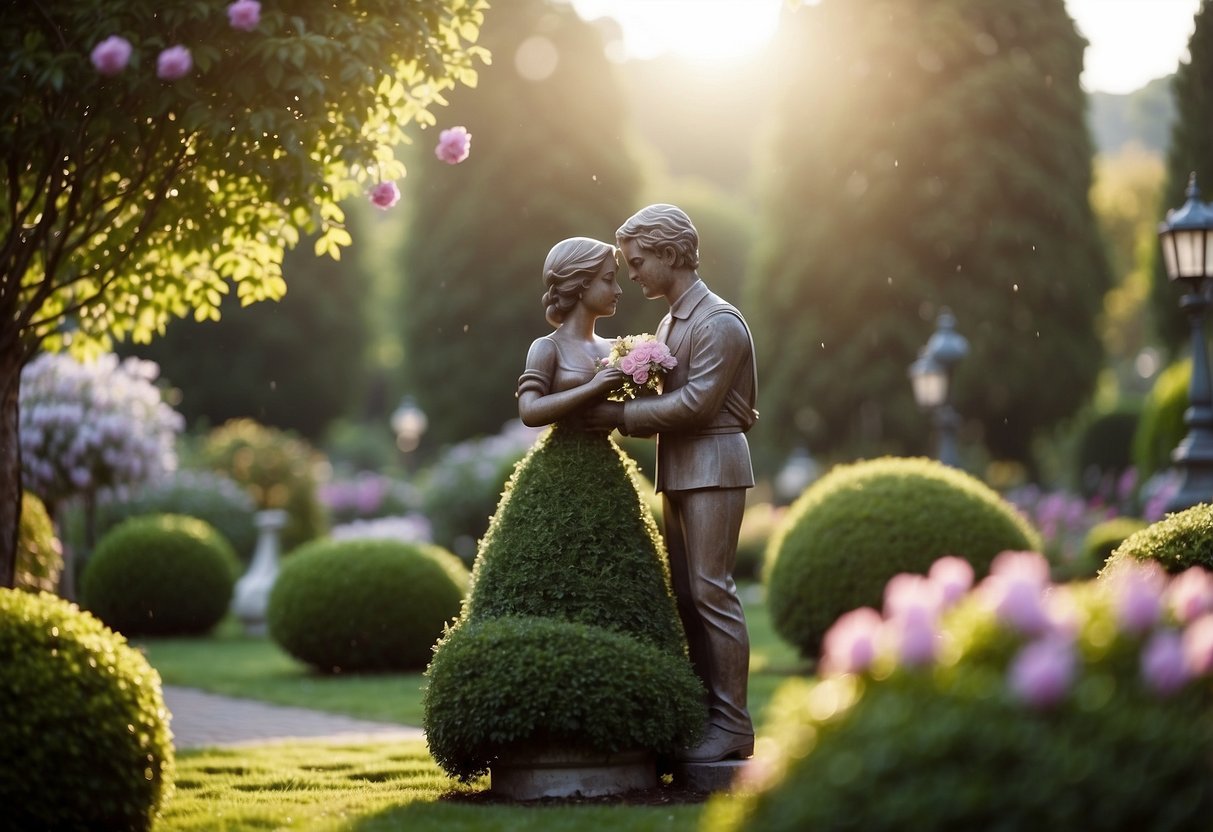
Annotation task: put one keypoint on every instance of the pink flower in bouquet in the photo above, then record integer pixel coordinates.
(454, 145)
(850, 644)
(111, 55)
(643, 359)
(1042, 671)
(385, 195)
(174, 63)
(1190, 594)
(953, 577)
(1162, 662)
(244, 15)
(1198, 645)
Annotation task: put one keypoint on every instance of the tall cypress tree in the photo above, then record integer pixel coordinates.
(548, 161)
(928, 153)
(1190, 151)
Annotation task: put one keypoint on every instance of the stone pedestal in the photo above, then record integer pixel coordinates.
(550, 772)
(252, 594)
(708, 777)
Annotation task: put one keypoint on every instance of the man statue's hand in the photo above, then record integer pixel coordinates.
(603, 416)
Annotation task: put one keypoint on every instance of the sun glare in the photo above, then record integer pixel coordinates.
(703, 31)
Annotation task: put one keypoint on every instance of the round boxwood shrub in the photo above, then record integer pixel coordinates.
(39, 553)
(277, 468)
(577, 685)
(863, 523)
(1101, 540)
(163, 574)
(82, 721)
(207, 495)
(976, 740)
(365, 605)
(1177, 541)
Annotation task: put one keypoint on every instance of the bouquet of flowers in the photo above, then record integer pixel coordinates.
(644, 360)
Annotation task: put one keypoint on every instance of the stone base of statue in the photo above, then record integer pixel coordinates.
(553, 772)
(708, 777)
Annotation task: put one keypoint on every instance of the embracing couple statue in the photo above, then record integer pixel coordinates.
(700, 419)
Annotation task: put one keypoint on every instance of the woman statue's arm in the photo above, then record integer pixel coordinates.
(537, 406)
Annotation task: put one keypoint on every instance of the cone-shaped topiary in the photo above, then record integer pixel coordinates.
(1096, 722)
(558, 548)
(83, 726)
(573, 684)
(1177, 541)
(571, 570)
(861, 524)
(365, 605)
(39, 552)
(162, 574)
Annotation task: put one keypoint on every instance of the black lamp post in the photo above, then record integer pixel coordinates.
(1187, 248)
(931, 378)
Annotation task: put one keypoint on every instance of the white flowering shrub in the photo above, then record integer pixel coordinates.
(93, 429)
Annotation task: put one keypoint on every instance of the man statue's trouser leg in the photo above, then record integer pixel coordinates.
(701, 534)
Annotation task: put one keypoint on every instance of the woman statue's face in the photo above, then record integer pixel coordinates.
(601, 296)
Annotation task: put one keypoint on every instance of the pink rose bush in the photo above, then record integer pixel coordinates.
(645, 361)
(111, 55)
(454, 145)
(1017, 704)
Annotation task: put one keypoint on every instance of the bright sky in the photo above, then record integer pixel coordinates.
(1131, 41)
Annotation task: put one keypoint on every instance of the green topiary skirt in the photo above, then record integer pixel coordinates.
(570, 593)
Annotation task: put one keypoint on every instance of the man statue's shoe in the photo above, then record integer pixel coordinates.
(718, 744)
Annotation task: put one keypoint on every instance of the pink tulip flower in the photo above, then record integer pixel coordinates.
(454, 145)
(244, 15)
(385, 195)
(850, 644)
(111, 55)
(1042, 671)
(174, 63)
(1163, 665)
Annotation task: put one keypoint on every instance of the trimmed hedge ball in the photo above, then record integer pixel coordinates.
(861, 524)
(581, 685)
(1177, 541)
(39, 552)
(365, 605)
(163, 574)
(83, 727)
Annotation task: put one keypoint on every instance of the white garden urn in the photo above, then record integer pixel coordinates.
(251, 597)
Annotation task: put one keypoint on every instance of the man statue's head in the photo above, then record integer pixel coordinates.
(662, 226)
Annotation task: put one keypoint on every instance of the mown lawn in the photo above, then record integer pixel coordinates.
(232, 663)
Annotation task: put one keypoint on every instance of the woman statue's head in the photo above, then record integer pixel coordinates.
(570, 267)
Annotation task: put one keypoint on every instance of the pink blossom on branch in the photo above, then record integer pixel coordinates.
(454, 145)
(111, 55)
(244, 15)
(174, 63)
(385, 195)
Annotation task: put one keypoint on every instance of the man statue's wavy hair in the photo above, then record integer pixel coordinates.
(657, 226)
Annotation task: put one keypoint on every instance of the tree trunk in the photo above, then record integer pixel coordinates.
(10, 467)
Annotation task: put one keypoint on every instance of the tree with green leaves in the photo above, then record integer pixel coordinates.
(156, 153)
(550, 162)
(928, 153)
(1190, 152)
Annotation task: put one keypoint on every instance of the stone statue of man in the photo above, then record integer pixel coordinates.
(703, 460)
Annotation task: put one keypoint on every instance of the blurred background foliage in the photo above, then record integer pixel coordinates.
(877, 162)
